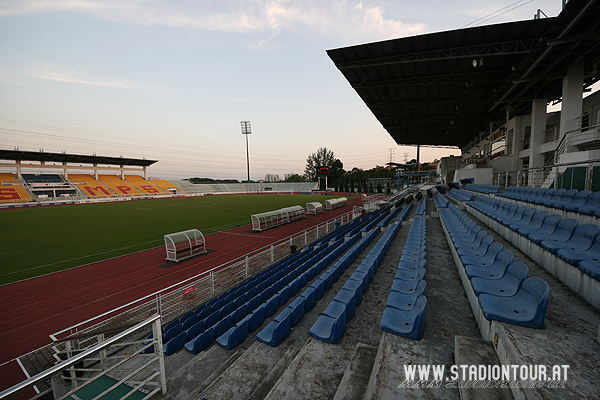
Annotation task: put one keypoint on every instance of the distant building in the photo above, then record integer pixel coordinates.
(272, 178)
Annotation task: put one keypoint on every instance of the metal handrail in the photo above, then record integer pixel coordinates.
(43, 376)
(55, 335)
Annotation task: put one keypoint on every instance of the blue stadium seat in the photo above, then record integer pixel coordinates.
(277, 330)
(348, 299)
(494, 271)
(566, 199)
(234, 335)
(309, 295)
(297, 307)
(591, 268)
(256, 318)
(195, 330)
(271, 305)
(405, 323)
(506, 286)
(475, 250)
(328, 329)
(409, 287)
(540, 223)
(582, 239)
(201, 342)
(578, 200)
(238, 314)
(175, 344)
(563, 232)
(171, 333)
(547, 195)
(170, 325)
(222, 326)
(409, 276)
(573, 257)
(556, 196)
(527, 307)
(319, 286)
(189, 322)
(472, 240)
(487, 259)
(525, 220)
(409, 266)
(213, 318)
(402, 301)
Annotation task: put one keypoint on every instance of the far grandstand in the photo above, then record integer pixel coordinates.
(73, 178)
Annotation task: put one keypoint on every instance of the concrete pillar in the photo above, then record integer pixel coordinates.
(572, 98)
(538, 127)
(19, 176)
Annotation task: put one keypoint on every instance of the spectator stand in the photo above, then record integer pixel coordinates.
(314, 208)
(185, 244)
(332, 204)
(275, 218)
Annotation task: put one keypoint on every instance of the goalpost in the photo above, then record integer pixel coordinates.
(184, 244)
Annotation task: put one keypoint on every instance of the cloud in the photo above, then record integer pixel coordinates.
(347, 19)
(66, 74)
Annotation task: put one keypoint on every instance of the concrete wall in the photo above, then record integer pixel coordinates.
(483, 176)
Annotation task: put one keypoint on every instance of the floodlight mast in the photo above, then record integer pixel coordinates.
(246, 130)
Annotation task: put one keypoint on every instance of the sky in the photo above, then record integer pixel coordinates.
(171, 80)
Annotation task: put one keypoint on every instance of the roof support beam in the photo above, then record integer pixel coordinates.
(501, 49)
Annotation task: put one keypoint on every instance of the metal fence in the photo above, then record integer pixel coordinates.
(173, 301)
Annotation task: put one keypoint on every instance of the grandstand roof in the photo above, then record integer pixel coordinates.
(444, 88)
(18, 155)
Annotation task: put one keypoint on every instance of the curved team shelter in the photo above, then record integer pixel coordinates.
(271, 219)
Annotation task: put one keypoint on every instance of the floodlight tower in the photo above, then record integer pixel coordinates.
(246, 131)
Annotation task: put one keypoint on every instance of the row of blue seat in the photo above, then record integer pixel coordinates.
(503, 288)
(490, 189)
(239, 329)
(279, 329)
(461, 195)
(211, 319)
(404, 313)
(331, 325)
(565, 238)
(583, 201)
(440, 200)
(421, 208)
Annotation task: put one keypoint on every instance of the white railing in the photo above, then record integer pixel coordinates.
(149, 377)
(535, 177)
(172, 301)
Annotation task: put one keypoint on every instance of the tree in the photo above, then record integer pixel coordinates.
(295, 178)
(321, 157)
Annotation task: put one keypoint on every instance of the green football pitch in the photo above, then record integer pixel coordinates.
(37, 241)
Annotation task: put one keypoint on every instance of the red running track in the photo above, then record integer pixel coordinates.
(35, 308)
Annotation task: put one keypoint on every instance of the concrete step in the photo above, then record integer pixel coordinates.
(273, 376)
(356, 378)
(246, 375)
(475, 351)
(196, 373)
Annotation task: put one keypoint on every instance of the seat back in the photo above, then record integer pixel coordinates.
(568, 196)
(550, 223)
(564, 229)
(528, 216)
(538, 219)
(557, 195)
(581, 197)
(548, 194)
(538, 288)
(504, 258)
(541, 192)
(518, 270)
(584, 235)
(493, 250)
